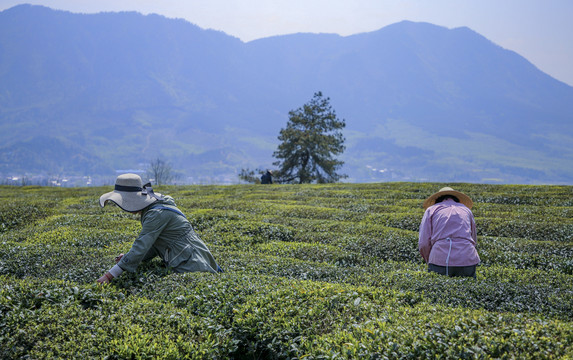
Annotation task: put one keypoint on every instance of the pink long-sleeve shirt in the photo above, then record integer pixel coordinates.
(448, 220)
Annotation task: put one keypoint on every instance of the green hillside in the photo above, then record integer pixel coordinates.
(311, 272)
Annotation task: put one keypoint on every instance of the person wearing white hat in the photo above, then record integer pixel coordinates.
(165, 231)
(447, 239)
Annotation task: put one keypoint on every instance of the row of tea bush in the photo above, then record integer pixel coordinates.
(311, 272)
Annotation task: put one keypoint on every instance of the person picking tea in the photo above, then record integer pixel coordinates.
(165, 231)
(447, 239)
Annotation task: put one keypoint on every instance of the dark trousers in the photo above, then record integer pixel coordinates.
(468, 271)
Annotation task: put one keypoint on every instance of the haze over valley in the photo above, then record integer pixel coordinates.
(90, 94)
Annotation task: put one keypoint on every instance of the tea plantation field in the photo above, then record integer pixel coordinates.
(311, 272)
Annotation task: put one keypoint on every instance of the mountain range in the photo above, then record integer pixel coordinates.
(97, 94)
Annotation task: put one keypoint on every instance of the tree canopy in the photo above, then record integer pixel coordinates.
(310, 142)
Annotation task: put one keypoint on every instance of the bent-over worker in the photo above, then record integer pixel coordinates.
(165, 231)
(447, 239)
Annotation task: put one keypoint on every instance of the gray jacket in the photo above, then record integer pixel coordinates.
(166, 232)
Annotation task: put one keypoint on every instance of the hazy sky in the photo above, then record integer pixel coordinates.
(539, 30)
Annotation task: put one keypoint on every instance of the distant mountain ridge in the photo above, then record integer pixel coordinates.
(421, 102)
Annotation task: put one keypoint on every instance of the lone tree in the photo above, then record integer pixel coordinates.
(309, 143)
(160, 171)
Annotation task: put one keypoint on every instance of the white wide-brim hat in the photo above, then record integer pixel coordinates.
(129, 194)
(463, 198)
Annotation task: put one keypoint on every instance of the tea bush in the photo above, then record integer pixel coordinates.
(13, 216)
(326, 271)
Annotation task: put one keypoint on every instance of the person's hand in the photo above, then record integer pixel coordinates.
(118, 258)
(106, 278)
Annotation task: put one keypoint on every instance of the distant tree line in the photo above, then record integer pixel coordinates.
(159, 172)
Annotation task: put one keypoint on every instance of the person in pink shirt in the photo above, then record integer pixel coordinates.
(447, 240)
